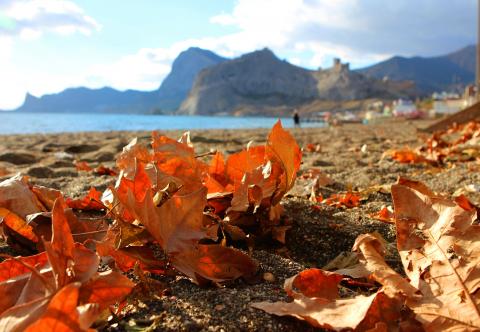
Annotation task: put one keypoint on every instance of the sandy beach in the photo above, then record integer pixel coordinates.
(352, 155)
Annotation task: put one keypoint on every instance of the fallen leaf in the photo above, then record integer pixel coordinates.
(92, 201)
(438, 244)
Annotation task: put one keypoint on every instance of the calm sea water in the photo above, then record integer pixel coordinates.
(27, 123)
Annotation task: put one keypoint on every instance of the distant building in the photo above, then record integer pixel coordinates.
(448, 103)
(405, 108)
(339, 66)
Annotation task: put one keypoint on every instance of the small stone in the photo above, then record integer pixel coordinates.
(219, 307)
(267, 276)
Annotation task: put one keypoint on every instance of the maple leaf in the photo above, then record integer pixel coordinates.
(178, 224)
(177, 159)
(438, 242)
(59, 288)
(282, 148)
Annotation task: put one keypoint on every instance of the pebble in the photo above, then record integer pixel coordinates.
(267, 276)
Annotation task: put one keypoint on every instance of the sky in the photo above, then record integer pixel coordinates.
(47, 46)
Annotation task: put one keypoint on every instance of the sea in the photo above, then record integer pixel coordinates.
(31, 123)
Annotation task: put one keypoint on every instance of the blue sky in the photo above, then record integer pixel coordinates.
(49, 45)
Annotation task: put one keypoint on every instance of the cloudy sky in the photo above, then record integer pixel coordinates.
(49, 45)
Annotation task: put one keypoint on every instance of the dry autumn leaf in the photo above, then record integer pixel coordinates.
(438, 243)
(44, 291)
(316, 301)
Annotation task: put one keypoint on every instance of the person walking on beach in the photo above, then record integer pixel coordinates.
(296, 118)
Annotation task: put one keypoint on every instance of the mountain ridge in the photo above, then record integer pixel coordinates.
(269, 82)
(431, 74)
(261, 80)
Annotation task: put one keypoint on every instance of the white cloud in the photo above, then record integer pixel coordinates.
(27, 20)
(32, 18)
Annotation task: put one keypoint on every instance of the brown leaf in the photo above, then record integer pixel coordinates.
(438, 242)
(62, 314)
(314, 283)
(105, 288)
(17, 224)
(16, 196)
(92, 201)
(214, 262)
(371, 249)
(282, 147)
(46, 195)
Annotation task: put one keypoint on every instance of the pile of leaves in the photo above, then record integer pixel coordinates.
(170, 211)
(437, 239)
(459, 143)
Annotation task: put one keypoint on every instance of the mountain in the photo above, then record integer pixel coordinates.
(257, 78)
(167, 97)
(441, 73)
(177, 84)
(84, 100)
(260, 80)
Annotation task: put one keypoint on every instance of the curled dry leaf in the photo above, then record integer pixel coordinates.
(316, 301)
(371, 250)
(178, 225)
(438, 242)
(16, 196)
(44, 292)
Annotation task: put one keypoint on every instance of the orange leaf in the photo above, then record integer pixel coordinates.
(282, 148)
(464, 203)
(316, 283)
(106, 288)
(82, 166)
(17, 224)
(92, 201)
(62, 314)
(214, 262)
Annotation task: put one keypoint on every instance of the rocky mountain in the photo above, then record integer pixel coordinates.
(261, 80)
(430, 74)
(167, 97)
(177, 84)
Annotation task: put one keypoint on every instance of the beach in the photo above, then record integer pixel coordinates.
(353, 156)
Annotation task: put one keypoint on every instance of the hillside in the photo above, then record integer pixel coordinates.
(261, 81)
(430, 74)
(177, 84)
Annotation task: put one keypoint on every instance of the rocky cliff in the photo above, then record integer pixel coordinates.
(259, 79)
(255, 79)
(177, 84)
